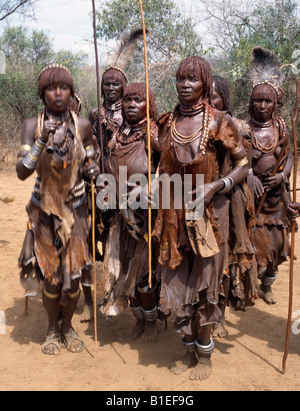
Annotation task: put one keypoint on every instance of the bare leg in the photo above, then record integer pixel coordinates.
(149, 308)
(268, 280)
(189, 359)
(88, 313)
(204, 346)
(139, 327)
(71, 339)
(51, 300)
(219, 330)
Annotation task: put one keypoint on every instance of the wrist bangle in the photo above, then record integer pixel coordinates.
(32, 158)
(228, 185)
(41, 140)
(89, 151)
(283, 176)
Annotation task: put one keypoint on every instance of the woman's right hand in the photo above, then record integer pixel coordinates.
(258, 187)
(293, 210)
(50, 126)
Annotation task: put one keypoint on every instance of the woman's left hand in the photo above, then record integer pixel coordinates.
(91, 170)
(272, 182)
(204, 194)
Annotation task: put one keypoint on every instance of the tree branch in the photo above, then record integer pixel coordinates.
(15, 8)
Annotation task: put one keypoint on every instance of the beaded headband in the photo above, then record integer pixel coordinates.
(268, 83)
(115, 68)
(51, 66)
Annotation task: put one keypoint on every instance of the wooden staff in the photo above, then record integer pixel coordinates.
(102, 169)
(98, 87)
(94, 257)
(291, 285)
(148, 143)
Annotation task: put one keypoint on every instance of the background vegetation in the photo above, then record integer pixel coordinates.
(224, 32)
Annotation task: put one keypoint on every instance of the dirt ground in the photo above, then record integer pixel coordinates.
(248, 360)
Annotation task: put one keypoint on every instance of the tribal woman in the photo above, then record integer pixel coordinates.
(195, 139)
(57, 144)
(124, 280)
(272, 161)
(241, 254)
(112, 87)
(114, 81)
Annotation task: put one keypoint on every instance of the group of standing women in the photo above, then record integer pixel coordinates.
(199, 264)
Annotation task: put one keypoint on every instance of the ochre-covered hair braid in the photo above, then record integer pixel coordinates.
(199, 67)
(139, 89)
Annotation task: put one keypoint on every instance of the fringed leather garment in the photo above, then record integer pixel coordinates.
(271, 234)
(191, 284)
(241, 258)
(126, 258)
(58, 218)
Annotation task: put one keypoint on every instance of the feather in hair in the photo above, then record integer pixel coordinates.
(127, 45)
(265, 67)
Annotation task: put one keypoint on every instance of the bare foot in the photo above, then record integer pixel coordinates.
(52, 345)
(150, 335)
(220, 330)
(267, 294)
(188, 361)
(137, 330)
(203, 370)
(88, 313)
(72, 342)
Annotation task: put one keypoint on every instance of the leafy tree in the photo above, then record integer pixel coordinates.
(21, 45)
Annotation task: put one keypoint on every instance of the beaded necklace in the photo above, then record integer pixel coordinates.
(202, 132)
(271, 147)
(135, 131)
(191, 111)
(261, 125)
(113, 107)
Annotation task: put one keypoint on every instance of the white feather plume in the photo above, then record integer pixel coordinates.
(126, 47)
(265, 66)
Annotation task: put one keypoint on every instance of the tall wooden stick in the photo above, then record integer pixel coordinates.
(94, 257)
(148, 143)
(291, 276)
(98, 87)
(102, 169)
(94, 262)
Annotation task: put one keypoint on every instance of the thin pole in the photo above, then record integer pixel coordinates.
(148, 144)
(94, 258)
(94, 262)
(291, 276)
(98, 87)
(102, 169)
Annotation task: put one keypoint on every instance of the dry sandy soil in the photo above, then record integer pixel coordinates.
(248, 360)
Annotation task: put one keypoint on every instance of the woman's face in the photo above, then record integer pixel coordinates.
(190, 89)
(263, 109)
(57, 98)
(112, 89)
(217, 100)
(135, 108)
